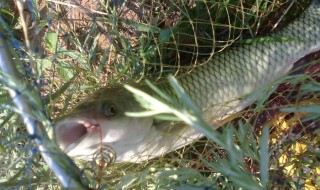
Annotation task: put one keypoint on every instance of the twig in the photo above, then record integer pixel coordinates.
(285, 12)
(24, 24)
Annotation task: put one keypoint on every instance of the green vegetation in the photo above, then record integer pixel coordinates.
(70, 50)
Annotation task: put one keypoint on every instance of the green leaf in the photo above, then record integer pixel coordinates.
(264, 157)
(164, 35)
(142, 27)
(43, 64)
(306, 108)
(65, 73)
(313, 87)
(2, 149)
(51, 41)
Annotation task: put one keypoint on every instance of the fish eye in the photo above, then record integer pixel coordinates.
(109, 109)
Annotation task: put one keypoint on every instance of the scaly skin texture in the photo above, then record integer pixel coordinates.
(219, 88)
(247, 68)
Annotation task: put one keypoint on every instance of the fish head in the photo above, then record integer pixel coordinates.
(100, 121)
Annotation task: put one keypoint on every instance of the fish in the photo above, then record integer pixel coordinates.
(219, 88)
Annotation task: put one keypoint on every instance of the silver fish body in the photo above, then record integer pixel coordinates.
(219, 89)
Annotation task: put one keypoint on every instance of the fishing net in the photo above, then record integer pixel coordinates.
(72, 48)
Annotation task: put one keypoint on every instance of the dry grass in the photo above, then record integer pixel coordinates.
(87, 44)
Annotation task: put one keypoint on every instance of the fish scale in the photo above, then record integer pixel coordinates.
(220, 87)
(243, 69)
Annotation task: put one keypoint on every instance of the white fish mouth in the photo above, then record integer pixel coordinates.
(71, 132)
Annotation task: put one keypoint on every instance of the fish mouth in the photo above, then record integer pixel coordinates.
(71, 132)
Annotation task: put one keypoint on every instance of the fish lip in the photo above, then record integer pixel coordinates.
(67, 125)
